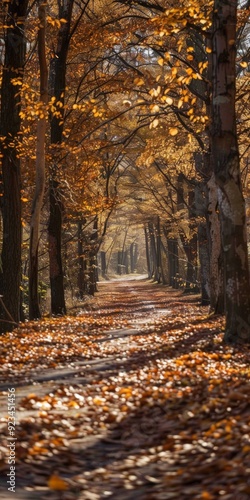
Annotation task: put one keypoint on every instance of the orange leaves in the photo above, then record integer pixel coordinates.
(154, 123)
(48, 347)
(167, 100)
(161, 61)
(126, 392)
(57, 483)
(38, 449)
(139, 81)
(173, 131)
(164, 403)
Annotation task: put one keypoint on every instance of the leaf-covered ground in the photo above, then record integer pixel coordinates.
(136, 397)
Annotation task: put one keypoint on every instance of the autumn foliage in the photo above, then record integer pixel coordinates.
(136, 395)
(124, 150)
(131, 130)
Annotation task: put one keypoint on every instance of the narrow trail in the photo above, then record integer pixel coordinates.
(128, 399)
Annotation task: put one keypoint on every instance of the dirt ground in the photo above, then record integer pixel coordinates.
(133, 397)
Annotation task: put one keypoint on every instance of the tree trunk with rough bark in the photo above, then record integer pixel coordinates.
(82, 268)
(227, 174)
(216, 282)
(201, 209)
(153, 251)
(58, 85)
(148, 256)
(58, 306)
(14, 61)
(133, 250)
(189, 237)
(173, 262)
(34, 309)
(93, 268)
(103, 264)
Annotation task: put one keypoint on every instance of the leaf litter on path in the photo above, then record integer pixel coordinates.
(148, 402)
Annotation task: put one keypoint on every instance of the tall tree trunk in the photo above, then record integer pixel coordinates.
(161, 270)
(122, 258)
(14, 60)
(125, 261)
(148, 257)
(227, 173)
(204, 262)
(190, 248)
(153, 251)
(189, 238)
(136, 255)
(216, 282)
(211, 285)
(119, 262)
(34, 310)
(93, 269)
(103, 264)
(201, 208)
(173, 262)
(192, 285)
(133, 250)
(81, 277)
(58, 85)
(58, 306)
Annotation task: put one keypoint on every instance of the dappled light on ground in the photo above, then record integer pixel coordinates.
(134, 397)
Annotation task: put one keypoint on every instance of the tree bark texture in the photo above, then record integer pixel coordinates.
(82, 264)
(189, 236)
(216, 281)
(58, 306)
(227, 174)
(34, 309)
(153, 251)
(93, 268)
(58, 84)
(133, 250)
(147, 246)
(103, 264)
(14, 60)
(201, 209)
(160, 266)
(173, 262)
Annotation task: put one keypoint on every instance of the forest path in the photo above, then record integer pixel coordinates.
(129, 307)
(122, 401)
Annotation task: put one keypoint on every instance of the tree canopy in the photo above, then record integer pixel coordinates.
(144, 126)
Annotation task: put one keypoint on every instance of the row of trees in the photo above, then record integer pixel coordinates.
(103, 103)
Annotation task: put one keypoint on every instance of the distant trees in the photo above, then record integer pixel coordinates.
(185, 70)
(142, 110)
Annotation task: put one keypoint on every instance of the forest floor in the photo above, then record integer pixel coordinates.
(134, 397)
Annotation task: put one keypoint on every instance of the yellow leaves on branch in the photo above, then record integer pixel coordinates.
(173, 131)
(175, 19)
(202, 66)
(34, 111)
(174, 71)
(167, 100)
(155, 108)
(139, 81)
(56, 22)
(155, 92)
(154, 123)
